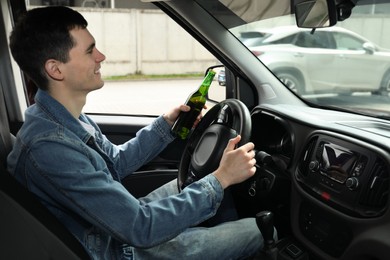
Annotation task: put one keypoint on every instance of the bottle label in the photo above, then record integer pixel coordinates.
(196, 101)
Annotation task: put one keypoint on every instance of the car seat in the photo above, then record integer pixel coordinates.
(27, 229)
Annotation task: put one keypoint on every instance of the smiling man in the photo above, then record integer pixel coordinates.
(62, 156)
(74, 79)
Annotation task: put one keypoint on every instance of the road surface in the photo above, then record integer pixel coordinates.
(149, 97)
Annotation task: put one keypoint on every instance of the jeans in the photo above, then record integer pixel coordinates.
(230, 240)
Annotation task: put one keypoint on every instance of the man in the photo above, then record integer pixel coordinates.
(61, 155)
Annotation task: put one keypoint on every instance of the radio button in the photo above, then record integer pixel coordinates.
(314, 166)
(352, 183)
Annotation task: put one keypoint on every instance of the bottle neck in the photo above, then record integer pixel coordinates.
(204, 87)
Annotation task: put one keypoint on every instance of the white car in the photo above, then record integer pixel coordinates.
(331, 60)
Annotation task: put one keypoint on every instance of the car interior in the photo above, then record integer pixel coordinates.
(323, 169)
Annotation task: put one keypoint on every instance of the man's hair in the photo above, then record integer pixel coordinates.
(42, 34)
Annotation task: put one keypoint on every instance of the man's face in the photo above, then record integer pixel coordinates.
(82, 71)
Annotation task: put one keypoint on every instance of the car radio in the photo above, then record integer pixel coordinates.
(345, 175)
(338, 163)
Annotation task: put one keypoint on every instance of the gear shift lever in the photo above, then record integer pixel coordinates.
(265, 223)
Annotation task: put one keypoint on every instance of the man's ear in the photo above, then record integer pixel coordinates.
(53, 70)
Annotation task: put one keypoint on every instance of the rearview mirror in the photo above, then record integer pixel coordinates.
(315, 13)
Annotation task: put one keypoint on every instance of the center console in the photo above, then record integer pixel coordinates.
(345, 175)
(349, 176)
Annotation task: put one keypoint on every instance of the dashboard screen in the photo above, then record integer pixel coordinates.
(336, 162)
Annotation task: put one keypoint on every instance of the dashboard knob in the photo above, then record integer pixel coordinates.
(352, 183)
(314, 166)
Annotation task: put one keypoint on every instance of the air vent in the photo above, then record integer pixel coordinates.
(306, 157)
(376, 193)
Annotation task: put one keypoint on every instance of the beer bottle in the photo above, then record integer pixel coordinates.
(196, 101)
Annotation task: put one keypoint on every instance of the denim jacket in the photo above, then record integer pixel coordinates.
(77, 176)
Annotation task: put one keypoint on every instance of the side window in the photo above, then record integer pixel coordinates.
(311, 40)
(151, 65)
(285, 40)
(347, 42)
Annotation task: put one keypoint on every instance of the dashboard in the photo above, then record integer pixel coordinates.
(332, 170)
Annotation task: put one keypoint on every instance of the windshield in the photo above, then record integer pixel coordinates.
(346, 66)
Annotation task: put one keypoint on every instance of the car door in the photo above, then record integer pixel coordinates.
(362, 69)
(316, 48)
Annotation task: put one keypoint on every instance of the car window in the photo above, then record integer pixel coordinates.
(347, 42)
(309, 40)
(152, 64)
(148, 48)
(285, 40)
(253, 38)
(358, 82)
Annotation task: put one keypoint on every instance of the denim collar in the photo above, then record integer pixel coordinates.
(59, 114)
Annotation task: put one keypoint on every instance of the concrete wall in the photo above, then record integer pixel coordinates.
(149, 42)
(144, 41)
(95, 3)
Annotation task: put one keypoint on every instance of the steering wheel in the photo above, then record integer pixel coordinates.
(208, 140)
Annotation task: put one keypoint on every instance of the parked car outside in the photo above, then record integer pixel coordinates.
(222, 78)
(332, 59)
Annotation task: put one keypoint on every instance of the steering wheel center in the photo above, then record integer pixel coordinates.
(209, 149)
(208, 141)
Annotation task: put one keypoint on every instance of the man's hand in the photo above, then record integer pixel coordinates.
(172, 115)
(237, 165)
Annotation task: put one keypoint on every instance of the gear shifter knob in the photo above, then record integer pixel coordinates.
(265, 222)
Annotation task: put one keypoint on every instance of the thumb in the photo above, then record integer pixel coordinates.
(233, 142)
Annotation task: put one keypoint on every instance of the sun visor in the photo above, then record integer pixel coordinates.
(254, 10)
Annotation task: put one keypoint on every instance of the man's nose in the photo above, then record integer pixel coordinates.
(100, 56)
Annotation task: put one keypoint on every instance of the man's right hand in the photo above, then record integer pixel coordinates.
(237, 164)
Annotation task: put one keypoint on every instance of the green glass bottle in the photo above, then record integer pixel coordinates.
(184, 122)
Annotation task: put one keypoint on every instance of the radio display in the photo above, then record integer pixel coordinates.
(336, 162)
